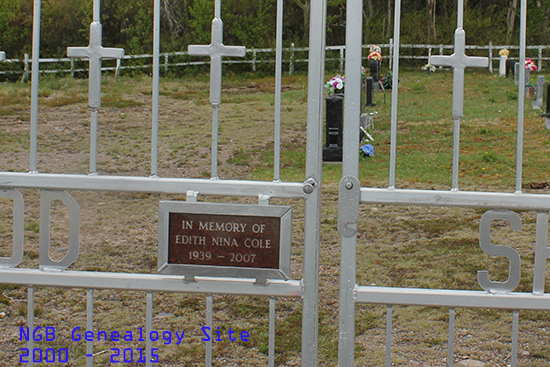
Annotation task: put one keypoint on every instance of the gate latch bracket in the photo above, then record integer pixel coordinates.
(348, 206)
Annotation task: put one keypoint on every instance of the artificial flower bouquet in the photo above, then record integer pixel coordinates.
(335, 85)
(530, 65)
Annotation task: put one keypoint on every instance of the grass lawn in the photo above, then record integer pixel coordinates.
(402, 246)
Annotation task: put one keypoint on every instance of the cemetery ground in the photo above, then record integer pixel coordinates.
(405, 246)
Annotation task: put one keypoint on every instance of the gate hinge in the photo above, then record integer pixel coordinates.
(348, 206)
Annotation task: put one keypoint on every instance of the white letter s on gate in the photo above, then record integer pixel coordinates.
(514, 272)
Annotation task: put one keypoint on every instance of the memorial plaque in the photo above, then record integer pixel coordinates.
(229, 240)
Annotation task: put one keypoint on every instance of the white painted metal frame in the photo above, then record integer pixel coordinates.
(58, 187)
(497, 295)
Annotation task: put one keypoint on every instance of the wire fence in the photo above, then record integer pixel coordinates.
(295, 59)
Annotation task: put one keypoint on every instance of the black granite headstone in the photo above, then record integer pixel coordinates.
(547, 113)
(510, 68)
(332, 152)
(369, 87)
(374, 67)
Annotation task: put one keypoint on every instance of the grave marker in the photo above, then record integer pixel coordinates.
(537, 103)
(510, 68)
(229, 240)
(332, 152)
(369, 84)
(216, 50)
(547, 114)
(458, 61)
(502, 63)
(2, 56)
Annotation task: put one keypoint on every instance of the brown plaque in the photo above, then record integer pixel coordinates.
(224, 240)
(227, 240)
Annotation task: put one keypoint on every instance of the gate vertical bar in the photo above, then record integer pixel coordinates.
(395, 90)
(156, 85)
(542, 252)
(89, 326)
(312, 220)
(271, 361)
(350, 167)
(451, 341)
(515, 332)
(149, 329)
(215, 125)
(209, 302)
(521, 94)
(389, 326)
(30, 320)
(278, 91)
(35, 76)
(94, 97)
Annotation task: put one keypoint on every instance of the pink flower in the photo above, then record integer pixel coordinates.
(530, 65)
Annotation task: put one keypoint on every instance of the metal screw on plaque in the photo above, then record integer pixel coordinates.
(547, 114)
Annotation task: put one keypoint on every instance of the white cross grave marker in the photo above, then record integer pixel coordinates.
(95, 52)
(458, 61)
(216, 50)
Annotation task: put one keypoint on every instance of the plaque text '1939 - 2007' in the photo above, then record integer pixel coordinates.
(224, 240)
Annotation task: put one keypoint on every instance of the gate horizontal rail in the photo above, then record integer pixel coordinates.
(50, 181)
(150, 282)
(452, 298)
(465, 199)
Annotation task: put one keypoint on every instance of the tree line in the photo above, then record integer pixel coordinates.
(128, 24)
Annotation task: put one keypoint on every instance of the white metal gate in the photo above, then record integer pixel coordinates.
(498, 205)
(58, 187)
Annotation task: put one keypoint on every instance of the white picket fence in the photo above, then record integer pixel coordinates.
(259, 56)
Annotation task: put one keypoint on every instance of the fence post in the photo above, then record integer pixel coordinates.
(540, 58)
(391, 54)
(166, 57)
(72, 67)
(254, 54)
(118, 65)
(491, 57)
(342, 58)
(291, 67)
(441, 53)
(26, 68)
